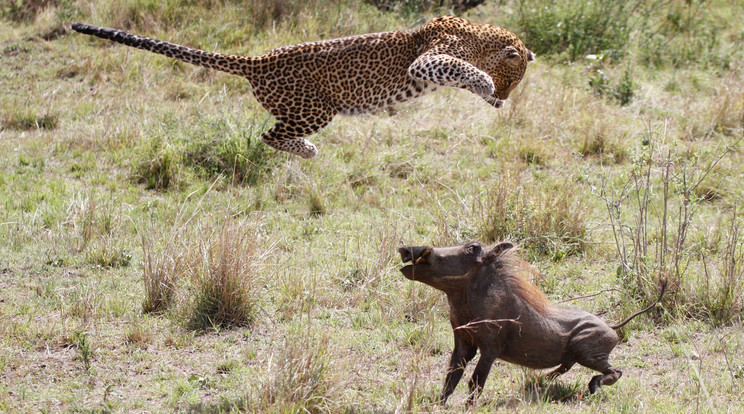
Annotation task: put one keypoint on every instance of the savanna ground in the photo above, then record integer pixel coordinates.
(156, 257)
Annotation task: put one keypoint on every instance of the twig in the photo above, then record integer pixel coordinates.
(496, 322)
(590, 296)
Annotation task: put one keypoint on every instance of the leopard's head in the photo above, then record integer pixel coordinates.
(504, 58)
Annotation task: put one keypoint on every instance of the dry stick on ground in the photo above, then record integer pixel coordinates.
(590, 295)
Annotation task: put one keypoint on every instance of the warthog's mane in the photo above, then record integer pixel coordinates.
(516, 273)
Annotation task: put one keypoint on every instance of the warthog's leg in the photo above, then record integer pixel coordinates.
(461, 355)
(609, 374)
(560, 370)
(609, 377)
(482, 368)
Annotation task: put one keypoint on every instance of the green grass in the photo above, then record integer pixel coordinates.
(156, 256)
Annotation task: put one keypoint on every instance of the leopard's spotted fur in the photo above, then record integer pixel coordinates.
(304, 86)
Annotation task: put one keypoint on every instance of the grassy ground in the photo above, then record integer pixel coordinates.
(133, 187)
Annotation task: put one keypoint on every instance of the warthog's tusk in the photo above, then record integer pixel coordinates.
(423, 256)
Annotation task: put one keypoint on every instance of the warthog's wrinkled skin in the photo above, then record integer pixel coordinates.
(495, 309)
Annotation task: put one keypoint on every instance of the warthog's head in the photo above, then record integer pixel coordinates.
(446, 267)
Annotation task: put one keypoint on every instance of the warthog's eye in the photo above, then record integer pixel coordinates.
(473, 248)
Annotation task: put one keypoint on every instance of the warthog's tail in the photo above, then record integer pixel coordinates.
(663, 289)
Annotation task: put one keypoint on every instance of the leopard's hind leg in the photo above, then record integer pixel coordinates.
(288, 133)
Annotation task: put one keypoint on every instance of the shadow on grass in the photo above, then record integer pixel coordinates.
(539, 389)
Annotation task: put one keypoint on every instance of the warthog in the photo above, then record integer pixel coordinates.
(494, 308)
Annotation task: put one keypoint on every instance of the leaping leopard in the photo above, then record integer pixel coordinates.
(304, 86)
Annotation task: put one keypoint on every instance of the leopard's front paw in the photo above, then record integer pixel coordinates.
(483, 87)
(495, 102)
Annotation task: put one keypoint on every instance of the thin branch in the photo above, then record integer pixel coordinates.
(591, 295)
(497, 322)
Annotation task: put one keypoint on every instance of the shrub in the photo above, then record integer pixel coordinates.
(575, 27)
(79, 339)
(721, 294)
(622, 92)
(682, 34)
(26, 10)
(418, 6)
(664, 181)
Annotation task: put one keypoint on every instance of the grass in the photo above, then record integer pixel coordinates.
(157, 257)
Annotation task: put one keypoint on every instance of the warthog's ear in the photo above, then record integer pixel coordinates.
(499, 249)
(530, 56)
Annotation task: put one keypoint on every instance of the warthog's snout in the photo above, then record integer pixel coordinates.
(415, 254)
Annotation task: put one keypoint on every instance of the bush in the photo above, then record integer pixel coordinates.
(683, 34)
(622, 92)
(575, 27)
(663, 179)
(418, 6)
(675, 33)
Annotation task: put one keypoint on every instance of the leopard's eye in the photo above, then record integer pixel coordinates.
(513, 58)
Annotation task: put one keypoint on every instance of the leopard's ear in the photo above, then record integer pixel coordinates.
(530, 56)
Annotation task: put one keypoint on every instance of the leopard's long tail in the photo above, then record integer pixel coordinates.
(237, 65)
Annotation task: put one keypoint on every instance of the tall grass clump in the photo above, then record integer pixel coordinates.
(530, 212)
(160, 275)
(303, 377)
(148, 15)
(221, 147)
(158, 165)
(539, 388)
(108, 252)
(264, 13)
(26, 120)
(224, 279)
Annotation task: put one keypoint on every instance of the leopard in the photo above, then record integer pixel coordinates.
(304, 86)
